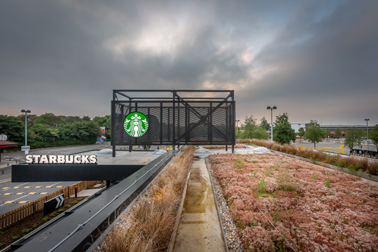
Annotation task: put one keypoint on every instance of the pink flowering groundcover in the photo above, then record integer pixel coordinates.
(284, 204)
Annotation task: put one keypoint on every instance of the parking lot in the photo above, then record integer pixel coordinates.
(331, 143)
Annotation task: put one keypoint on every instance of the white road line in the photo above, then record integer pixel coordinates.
(15, 199)
(55, 184)
(22, 184)
(5, 180)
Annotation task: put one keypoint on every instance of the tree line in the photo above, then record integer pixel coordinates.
(282, 131)
(284, 134)
(49, 130)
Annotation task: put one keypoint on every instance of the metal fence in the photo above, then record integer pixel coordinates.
(177, 121)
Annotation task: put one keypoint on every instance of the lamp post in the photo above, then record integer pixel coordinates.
(367, 132)
(26, 125)
(271, 121)
(299, 126)
(237, 124)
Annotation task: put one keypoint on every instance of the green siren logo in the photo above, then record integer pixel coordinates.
(135, 124)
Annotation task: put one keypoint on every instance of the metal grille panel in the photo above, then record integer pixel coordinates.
(177, 121)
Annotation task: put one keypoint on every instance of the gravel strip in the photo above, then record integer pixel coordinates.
(229, 231)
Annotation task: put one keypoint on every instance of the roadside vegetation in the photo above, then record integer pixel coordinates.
(149, 224)
(355, 165)
(49, 130)
(25, 226)
(284, 204)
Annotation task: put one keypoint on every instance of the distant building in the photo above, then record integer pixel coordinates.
(331, 128)
(296, 126)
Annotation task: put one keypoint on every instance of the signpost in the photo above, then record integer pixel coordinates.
(50, 205)
(26, 149)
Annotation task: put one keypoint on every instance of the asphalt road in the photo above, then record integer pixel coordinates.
(14, 195)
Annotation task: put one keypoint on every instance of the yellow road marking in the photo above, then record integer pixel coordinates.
(5, 188)
(59, 186)
(5, 180)
(44, 193)
(49, 186)
(7, 193)
(27, 186)
(8, 202)
(16, 187)
(19, 193)
(32, 193)
(37, 186)
(22, 202)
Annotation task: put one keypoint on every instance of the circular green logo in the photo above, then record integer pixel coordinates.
(135, 124)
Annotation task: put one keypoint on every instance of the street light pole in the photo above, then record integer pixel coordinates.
(26, 125)
(367, 132)
(271, 121)
(299, 126)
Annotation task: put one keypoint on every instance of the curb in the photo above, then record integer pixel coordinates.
(216, 204)
(179, 212)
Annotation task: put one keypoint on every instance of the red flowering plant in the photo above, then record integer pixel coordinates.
(280, 203)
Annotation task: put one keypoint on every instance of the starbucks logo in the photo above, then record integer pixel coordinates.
(135, 124)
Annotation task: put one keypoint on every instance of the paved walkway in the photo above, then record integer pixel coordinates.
(199, 228)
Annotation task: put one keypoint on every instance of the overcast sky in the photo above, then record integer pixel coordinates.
(312, 59)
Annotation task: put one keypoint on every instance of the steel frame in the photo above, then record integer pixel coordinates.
(175, 103)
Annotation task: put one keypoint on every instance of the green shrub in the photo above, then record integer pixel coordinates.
(67, 206)
(74, 202)
(328, 183)
(1, 244)
(60, 210)
(45, 219)
(53, 214)
(16, 237)
(26, 230)
(35, 225)
(315, 176)
(262, 185)
(80, 199)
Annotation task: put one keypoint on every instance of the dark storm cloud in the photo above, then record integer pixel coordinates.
(312, 60)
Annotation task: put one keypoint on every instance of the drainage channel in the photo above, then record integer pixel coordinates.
(77, 230)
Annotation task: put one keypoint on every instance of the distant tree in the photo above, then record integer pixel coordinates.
(338, 132)
(282, 131)
(251, 130)
(264, 124)
(48, 119)
(354, 137)
(373, 135)
(261, 133)
(326, 133)
(301, 132)
(249, 127)
(314, 133)
(31, 119)
(13, 128)
(70, 119)
(45, 133)
(86, 118)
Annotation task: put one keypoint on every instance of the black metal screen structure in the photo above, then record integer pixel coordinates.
(176, 120)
